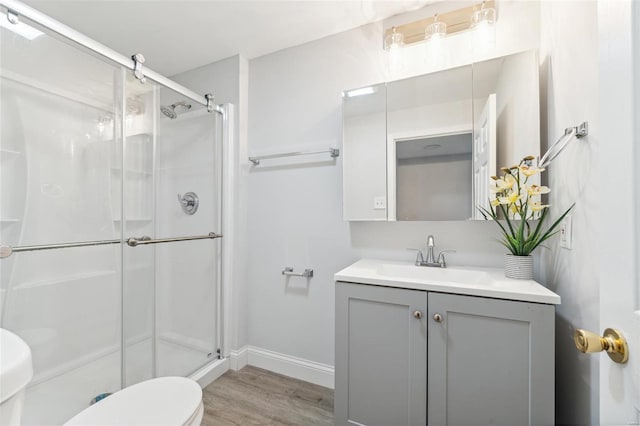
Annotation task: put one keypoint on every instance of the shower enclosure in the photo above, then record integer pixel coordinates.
(109, 216)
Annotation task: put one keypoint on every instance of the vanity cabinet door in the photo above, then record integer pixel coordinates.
(491, 362)
(381, 356)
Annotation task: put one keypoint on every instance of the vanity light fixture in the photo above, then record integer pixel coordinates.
(483, 23)
(446, 23)
(436, 30)
(393, 43)
(434, 35)
(13, 24)
(394, 40)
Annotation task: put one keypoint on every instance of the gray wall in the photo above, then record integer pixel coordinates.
(570, 66)
(295, 211)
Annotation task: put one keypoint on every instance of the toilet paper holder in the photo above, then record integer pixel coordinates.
(288, 271)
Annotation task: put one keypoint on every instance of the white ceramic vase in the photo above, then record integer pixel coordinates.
(519, 267)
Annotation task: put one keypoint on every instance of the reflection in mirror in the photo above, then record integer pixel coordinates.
(365, 155)
(429, 146)
(432, 178)
(482, 116)
(507, 110)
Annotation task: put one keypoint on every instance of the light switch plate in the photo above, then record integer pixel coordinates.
(565, 232)
(379, 203)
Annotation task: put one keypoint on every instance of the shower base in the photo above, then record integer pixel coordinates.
(55, 400)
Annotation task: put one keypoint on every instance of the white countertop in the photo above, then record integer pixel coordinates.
(471, 281)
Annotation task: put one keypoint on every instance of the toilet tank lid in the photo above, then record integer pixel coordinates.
(16, 368)
(161, 401)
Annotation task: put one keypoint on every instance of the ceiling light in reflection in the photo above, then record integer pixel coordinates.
(430, 147)
(360, 92)
(20, 28)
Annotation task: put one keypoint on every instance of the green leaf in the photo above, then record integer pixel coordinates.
(550, 231)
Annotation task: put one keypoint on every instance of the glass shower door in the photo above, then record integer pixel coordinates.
(171, 182)
(58, 143)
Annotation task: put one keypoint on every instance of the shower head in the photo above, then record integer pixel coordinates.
(170, 111)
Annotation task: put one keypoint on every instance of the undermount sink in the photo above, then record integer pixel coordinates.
(472, 281)
(435, 275)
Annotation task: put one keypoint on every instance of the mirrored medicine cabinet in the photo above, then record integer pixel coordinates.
(424, 148)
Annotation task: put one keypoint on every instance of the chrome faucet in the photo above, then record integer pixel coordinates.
(430, 259)
(431, 243)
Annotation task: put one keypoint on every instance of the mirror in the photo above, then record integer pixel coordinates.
(445, 134)
(364, 161)
(429, 135)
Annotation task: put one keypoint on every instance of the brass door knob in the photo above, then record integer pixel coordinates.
(612, 341)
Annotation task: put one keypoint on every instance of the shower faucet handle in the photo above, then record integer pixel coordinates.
(184, 201)
(189, 202)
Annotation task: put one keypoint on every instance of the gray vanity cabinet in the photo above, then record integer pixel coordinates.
(490, 361)
(381, 353)
(470, 360)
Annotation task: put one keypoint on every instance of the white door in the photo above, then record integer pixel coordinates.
(484, 155)
(620, 233)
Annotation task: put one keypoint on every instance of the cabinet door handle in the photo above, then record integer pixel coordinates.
(417, 314)
(437, 318)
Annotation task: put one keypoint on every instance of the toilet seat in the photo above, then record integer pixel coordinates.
(171, 401)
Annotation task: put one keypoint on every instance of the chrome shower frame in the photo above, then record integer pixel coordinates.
(135, 65)
(18, 9)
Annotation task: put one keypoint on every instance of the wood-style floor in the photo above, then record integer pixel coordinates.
(253, 396)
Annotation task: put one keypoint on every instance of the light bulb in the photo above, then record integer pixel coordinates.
(483, 23)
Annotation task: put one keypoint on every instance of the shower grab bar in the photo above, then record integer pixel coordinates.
(134, 242)
(333, 152)
(6, 251)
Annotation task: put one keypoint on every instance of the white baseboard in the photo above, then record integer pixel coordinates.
(298, 368)
(239, 358)
(210, 372)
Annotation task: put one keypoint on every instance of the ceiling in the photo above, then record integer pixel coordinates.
(176, 36)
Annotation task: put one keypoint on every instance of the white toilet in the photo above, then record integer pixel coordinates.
(175, 401)
(171, 401)
(16, 371)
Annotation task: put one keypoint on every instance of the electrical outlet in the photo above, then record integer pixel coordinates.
(379, 203)
(565, 232)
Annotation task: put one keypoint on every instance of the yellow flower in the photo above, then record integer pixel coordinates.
(502, 184)
(530, 171)
(538, 206)
(535, 190)
(495, 202)
(512, 198)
